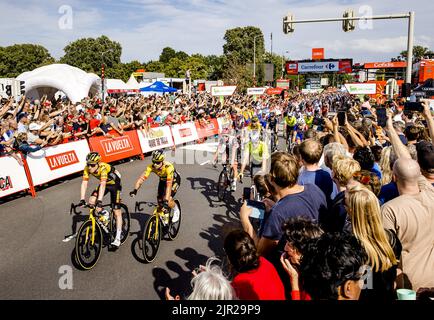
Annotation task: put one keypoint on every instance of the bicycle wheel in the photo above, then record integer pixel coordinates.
(126, 221)
(222, 185)
(175, 226)
(87, 253)
(151, 239)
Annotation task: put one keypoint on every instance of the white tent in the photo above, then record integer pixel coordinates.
(74, 82)
(133, 84)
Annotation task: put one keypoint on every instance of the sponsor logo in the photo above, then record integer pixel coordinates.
(5, 183)
(155, 133)
(117, 145)
(186, 132)
(62, 160)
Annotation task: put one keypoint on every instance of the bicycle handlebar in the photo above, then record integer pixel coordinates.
(75, 206)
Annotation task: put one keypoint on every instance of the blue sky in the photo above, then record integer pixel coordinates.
(144, 27)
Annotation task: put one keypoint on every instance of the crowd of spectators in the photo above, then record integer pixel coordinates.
(349, 213)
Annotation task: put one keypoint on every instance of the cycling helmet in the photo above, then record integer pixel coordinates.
(93, 158)
(158, 156)
(255, 119)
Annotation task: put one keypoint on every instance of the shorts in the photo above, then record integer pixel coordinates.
(115, 194)
(175, 186)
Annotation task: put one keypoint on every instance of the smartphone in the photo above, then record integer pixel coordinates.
(382, 117)
(258, 209)
(246, 193)
(413, 106)
(341, 118)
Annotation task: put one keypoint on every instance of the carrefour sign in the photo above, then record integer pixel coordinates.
(318, 67)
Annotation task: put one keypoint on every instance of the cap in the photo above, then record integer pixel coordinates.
(425, 155)
(113, 110)
(34, 126)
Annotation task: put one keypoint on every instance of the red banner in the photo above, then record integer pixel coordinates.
(292, 67)
(208, 130)
(317, 53)
(117, 148)
(385, 65)
(273, 91)
(345, 66)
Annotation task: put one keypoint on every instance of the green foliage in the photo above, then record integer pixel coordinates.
(20, 58)
(89, 54)
(239, 50)
(419, 53)
(167, 54)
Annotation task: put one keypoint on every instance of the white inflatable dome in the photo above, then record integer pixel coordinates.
(73, 82)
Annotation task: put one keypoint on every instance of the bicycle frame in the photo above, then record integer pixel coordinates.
(94, 222)
(157, 213)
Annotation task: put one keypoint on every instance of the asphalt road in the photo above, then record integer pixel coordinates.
(33, 256)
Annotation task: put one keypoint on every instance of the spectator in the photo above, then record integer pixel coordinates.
(295, 200)
(343, 171)
(298, 231)
(311, 152)
(425, 157)
(255, 277)
(23, 121)
(209, 283)
(382, 246)
(400, 128)
(370, 180)
(366, 159)
(411, 216)
(333, 267)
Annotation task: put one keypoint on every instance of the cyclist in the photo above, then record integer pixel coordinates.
(110, 182)
(299, 129)
(168, 186)
(257, 151)
(228, 150)
(290, 122)
(272, 125)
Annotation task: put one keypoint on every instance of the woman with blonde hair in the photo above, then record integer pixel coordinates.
(382, 246)
(386, 168)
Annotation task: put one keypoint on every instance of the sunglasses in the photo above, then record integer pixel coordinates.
(92, 165)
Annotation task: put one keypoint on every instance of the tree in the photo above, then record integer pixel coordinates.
(215, 66)
(239, 48)
(419, 53)
(20, 58)
(154, 66)
(167, 54)
(89, 54)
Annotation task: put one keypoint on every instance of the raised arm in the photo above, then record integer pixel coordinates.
(399, 148)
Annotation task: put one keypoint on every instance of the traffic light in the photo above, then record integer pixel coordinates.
(288, 25)
(22, 88)
(8, 90)
(349, 25)
(102, 72)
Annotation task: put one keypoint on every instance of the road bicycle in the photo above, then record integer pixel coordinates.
(226, 178)
(98, 232)
(157, 226)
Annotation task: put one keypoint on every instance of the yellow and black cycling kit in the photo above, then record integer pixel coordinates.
(108, 174)
(169, 178)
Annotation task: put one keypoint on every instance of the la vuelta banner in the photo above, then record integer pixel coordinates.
(117, 148)
(13, 177)
(209, 129)
(58, 161)
(183, 133)
(155, 138)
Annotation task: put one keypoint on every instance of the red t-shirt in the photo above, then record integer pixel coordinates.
(94, 123)
(150, 121)
(262, 283)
